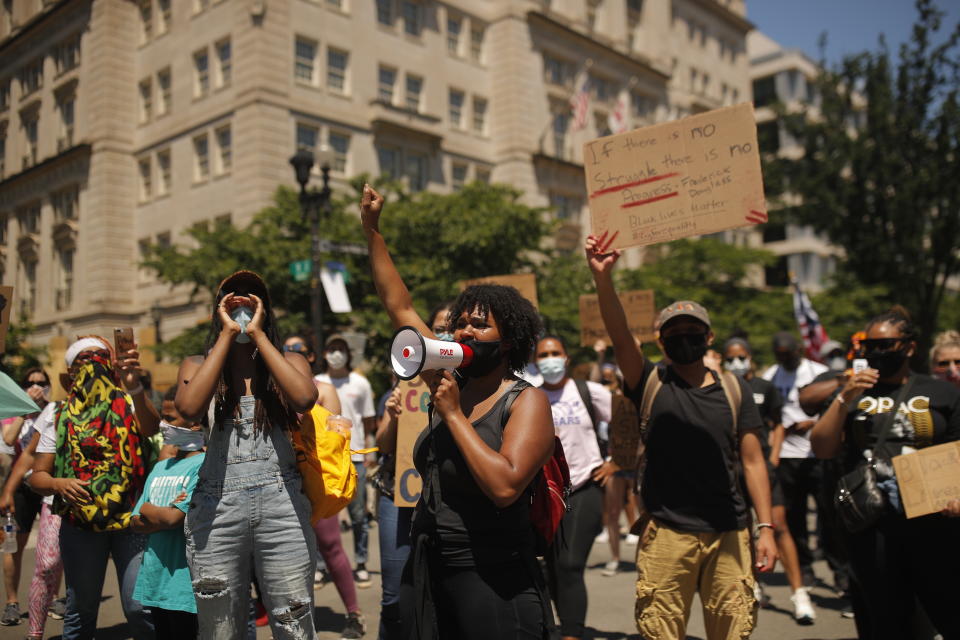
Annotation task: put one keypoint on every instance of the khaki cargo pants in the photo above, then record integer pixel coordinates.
(673, 565)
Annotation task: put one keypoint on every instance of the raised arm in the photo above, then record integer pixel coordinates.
(147, 415)
(629, 357)
(502, 475)
(390, 287)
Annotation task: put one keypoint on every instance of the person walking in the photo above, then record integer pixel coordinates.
(881, 412)
(248, 510)
(577, 407)
(697, 425)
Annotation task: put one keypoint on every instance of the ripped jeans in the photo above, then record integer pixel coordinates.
(673, 565)
(248, 512)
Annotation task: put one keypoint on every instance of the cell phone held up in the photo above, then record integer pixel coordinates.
(122, 340)
(860, 364)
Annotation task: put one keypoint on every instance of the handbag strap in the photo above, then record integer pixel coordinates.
(891, 416)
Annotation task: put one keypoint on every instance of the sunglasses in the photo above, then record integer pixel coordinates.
(947, 363)
(295, 348)
(880, 344)
(739, 358)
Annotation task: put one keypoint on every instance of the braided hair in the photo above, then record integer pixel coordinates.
(899, 317)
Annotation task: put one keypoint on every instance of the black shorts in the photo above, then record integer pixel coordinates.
(776, 490)
(28, 505)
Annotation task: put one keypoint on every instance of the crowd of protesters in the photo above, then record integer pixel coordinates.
(197, 497)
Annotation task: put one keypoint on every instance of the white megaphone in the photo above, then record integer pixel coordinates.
(411, 353)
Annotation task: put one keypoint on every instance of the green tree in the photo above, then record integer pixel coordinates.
(880, 165)
(19, 355)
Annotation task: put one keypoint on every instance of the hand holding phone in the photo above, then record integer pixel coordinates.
(123, 341)
(860, 364)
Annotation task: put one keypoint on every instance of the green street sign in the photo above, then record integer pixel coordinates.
(300, 270)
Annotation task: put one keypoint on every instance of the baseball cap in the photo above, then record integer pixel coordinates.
(243, 282)
(682, 308)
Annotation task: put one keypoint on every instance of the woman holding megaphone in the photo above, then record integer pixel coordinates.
(473, 572)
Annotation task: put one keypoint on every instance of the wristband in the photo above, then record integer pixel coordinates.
(849, 406)
(764, 525)
(137, 389)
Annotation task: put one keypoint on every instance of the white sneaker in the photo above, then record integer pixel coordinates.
(603, 538)
(803, 611)
(632, 538)
(611, 568)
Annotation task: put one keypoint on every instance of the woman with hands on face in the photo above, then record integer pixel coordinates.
(248, 511)
(891, 560)
(473, 573)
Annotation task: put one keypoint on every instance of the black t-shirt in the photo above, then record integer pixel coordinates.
(929, 415)
(770, 404)
(692, 457)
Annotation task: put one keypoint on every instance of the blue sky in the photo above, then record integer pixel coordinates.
(851, 25)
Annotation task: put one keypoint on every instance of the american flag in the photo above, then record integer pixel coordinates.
(580, 100)
(618, 120)
(814, 335)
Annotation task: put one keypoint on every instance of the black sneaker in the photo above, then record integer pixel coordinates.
(11, 615)
(58, 609)
(355, 627)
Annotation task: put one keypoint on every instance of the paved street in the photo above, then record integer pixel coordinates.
(610, 614)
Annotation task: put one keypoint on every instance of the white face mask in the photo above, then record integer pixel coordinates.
(336, 359)
(242, 316)
(183, 439)
(738, 366)
(552, 369)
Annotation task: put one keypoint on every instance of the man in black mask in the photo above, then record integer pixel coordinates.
(699, 424)
(799, 471)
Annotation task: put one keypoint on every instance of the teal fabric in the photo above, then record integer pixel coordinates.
(164, 579)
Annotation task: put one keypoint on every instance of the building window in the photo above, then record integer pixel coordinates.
(224, 63)
(414, 92)
(201, 155)
(31, 128)
(337, 69)
(456, 108)
(201, 69)
(643, 106)
(411, 17)
(166, 175)
(3, 150)
(764, 91)
(479, 115)
(454, 27)
(566, 207)
(31, 77)
(166, 92)
(335, 4)
(64, 265)
(340, 144)
(200, 5)
(415, 169)
(67, 55)
(146, 101)
(29, 219)
(4, 95)
(166, 16)
(389, 160)
(307, 137)
(458, 175)
(146, 180)
(146, 20)
(560, 125)
(224, 150)
(602, 88)
(483, 175)
(476, 43)
(306, 56)
(385, 12)
(66, 108)
(28, 286)
(65, 204)
(387, 80)
(694, 80)
(556, 71)
(4, 223)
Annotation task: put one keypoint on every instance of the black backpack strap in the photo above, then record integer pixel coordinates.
(511, 396)
(584, 392)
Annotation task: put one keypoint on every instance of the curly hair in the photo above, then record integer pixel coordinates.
(899, 317)
(518, 320)
(949, 339)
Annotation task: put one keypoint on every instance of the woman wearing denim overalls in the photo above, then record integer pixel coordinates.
(248, 511)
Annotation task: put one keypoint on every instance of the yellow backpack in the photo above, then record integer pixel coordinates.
(323, 457)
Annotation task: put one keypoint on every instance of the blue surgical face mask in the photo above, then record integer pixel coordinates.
(242, 316)
(552, 369)
(183, 439)
(445, 336)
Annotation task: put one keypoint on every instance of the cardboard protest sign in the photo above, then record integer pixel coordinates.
(6, 305)
(624, 432)
(525, 283)
(929, 478)
(638, 306)
(688, 177)
(414, 398)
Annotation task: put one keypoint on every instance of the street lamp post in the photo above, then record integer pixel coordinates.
(313, 203)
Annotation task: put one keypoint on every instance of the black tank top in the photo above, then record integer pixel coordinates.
(463, 523)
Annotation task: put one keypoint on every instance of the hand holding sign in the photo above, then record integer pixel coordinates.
(599, 257)
(689, 177)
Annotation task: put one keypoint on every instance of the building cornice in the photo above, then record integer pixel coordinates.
(642, 63)
(74, 152)
(28, 27)
(732, 18)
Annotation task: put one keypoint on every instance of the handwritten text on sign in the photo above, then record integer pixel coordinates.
(929, 478)
(414, 401)
(638, 307)
(689, 177)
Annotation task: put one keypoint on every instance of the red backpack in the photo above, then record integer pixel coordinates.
(548, 504)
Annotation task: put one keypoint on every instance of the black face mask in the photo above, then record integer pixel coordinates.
(486, 357)
(685, 348)
(887, 363)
